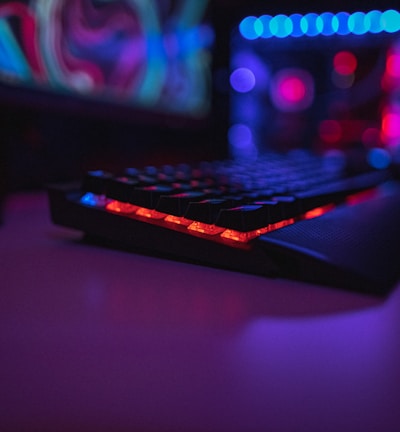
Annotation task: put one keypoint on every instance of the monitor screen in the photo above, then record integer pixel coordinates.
(87, 84)
(152, 56)
(325, 81)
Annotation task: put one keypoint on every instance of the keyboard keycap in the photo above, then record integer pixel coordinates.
(207, 211)
(290, 206)
(120, 188)
(178, 203)
(243, 218)
(96, 182)
(148, 196)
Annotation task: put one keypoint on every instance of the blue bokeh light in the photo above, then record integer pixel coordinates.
(391, 21)
(265, 21)
(240, 136)
(250, 27)
(258, 27)
(357, 23)
(342, 23)
(242, 145)
(373, 21)
(379, 158)
(312, 24)
(326, 24)
(296, 23)
(281, 26)
(242, 80)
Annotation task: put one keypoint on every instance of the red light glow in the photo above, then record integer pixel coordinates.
(330, 131)
(345, 63)
(361, 197)
(244, 237)
(292, 89)
(206, 228)
(121, 207)
(281, 224)
(319, 211)
(178, 220)
(150, 214)
(393, 65)
(239, 236)
(199, 229)
(391, 127)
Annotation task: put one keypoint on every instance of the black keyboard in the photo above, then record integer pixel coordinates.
(295, 216)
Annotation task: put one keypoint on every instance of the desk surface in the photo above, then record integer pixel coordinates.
(98, 340)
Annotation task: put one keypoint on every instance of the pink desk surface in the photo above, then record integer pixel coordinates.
(101, 340)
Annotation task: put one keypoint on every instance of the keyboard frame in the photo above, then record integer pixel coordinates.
(272, 255)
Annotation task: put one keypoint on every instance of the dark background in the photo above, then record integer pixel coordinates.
(46, 139)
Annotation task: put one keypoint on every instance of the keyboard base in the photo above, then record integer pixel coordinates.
(128, 233)
(352, 247)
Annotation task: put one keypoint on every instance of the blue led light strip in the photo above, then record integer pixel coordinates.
(326, 24)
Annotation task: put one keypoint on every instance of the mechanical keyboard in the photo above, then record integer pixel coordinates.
(296, 216)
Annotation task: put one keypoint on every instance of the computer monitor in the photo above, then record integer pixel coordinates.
(88, 83)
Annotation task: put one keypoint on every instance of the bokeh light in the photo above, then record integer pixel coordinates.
(345, 63)
(326, 24)
(242, 80)
(292, 89)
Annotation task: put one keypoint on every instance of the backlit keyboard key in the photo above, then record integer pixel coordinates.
(178, 203)
(243, 218)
